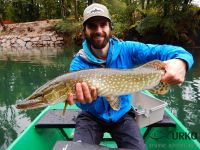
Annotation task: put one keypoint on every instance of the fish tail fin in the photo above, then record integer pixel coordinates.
(161, 88)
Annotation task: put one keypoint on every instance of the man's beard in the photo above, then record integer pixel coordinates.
(98, 45)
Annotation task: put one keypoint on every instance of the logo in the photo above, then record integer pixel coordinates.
(95, 10)
(174, 135)
(175, 140)
(184, 135)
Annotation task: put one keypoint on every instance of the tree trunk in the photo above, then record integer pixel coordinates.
(165, 8)
(142, 4)
(75, 10)
(147, 6)
(63, 7)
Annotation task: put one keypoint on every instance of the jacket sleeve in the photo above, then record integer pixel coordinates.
(142, 53)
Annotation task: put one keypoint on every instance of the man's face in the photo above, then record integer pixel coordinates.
(97, 32)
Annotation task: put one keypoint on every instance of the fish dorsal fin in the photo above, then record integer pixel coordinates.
(161, 88)
(114, 102)
(155, 64)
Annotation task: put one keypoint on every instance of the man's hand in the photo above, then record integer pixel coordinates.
(84, 94)
(175, 71)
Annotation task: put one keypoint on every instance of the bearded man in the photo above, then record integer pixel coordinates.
(100, 49)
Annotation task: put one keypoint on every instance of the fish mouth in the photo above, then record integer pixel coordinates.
(30, 104)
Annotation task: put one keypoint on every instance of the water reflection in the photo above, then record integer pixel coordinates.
(184, 101)
(35, 55)
(12, 124)
(20, 75)
(189, 93)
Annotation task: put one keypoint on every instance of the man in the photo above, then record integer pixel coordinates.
(101, 50)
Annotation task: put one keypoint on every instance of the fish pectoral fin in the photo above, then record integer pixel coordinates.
(69, 96)
(161, 88)
(65, 107)
(114, 102)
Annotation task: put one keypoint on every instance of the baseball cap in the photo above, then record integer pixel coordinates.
(94, 10)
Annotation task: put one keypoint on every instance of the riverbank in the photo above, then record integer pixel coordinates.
(30, 35)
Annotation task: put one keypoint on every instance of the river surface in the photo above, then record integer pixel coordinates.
(22, 72)
(184, 100)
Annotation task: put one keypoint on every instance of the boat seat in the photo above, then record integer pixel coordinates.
(54, 119)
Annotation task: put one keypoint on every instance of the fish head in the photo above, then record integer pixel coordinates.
(46, 95)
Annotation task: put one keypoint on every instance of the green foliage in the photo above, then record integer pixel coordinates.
(1, 7)
(9, 11)
(20, 10)
(49, 9)
(122, 16)
(80, 8)
(169, 27)
(68, 27)
(175, 21)
(148, 23)
(119, 20)
(172, 19)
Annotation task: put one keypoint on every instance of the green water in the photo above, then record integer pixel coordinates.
(20, 75)
(184, 101)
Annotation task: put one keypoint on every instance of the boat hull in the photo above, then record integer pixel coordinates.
(159, 138)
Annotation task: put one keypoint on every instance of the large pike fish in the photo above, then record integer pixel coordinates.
(110, 83)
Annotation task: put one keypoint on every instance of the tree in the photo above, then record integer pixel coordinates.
(63, 6)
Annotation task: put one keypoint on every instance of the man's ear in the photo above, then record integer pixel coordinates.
(83, 33)
(111, 26)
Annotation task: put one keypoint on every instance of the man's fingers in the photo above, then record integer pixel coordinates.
(172, 79)
(175, 71)
(86, 92)
(93, 93)
(79, 93)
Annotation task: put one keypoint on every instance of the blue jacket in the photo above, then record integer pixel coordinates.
(123, 54)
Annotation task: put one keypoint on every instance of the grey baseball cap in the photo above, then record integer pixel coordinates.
(94, 10)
